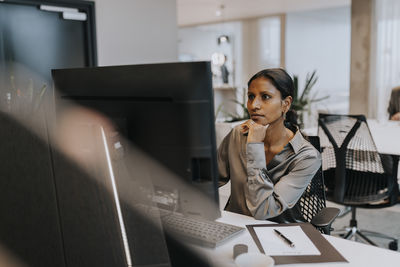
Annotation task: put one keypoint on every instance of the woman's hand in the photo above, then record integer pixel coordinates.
(246, 126)
(256, 132)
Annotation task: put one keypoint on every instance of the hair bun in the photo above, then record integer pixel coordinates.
(291, 120)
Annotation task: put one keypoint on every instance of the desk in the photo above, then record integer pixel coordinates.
(386, 136)
(358, 254)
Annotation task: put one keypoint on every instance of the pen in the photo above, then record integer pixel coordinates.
(291, 244)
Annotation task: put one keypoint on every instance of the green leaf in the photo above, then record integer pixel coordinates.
(218, 111)
(296, 87)
(310, 82)
(319, 99)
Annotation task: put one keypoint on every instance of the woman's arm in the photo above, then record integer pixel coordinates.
(266, 200)
(223, 160)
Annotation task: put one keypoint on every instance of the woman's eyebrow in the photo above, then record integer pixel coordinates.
(267, 92)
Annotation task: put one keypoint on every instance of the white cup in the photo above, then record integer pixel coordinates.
(254, 259)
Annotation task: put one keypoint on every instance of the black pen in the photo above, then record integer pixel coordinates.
(291, 244)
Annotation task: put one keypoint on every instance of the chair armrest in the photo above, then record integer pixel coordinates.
(325, 218)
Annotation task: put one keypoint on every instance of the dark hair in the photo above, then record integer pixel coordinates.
(284, 83)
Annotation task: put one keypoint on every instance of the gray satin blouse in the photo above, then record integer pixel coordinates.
(265, 191)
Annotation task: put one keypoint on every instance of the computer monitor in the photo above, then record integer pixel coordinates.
(167, 111)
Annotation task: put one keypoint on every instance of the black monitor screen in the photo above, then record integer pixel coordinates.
(166, 110)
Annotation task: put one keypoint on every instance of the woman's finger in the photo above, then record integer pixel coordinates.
(246, 126)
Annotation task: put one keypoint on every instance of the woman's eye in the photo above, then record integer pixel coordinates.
(251, 97)
(265, 97)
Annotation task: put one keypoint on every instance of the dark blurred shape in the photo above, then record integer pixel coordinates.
(42, 40)
(29, 224)
(239, 249)
(166, 110)
(224, 73)
(92, 232)
(164, 144)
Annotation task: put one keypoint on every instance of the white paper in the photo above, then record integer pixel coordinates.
(274, 245)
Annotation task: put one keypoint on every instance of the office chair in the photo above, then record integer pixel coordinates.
(313, 201)
(356, 175)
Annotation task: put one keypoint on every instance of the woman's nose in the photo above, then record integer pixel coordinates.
(255, 105)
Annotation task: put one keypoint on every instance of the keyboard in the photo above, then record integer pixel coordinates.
(198, 231)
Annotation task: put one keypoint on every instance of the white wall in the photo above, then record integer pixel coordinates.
(386, 51)
(320, 40)
(136, 31)
(261, 40)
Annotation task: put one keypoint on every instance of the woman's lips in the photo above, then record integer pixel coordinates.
(256, 116)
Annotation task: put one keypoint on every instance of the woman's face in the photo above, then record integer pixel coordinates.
(265, 102)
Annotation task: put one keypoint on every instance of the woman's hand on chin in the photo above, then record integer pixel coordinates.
(246, 126)
(256, 132)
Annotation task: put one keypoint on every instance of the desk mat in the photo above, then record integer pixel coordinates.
(328, 252)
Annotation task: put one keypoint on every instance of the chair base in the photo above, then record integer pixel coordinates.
(353, 233)
(344, 211)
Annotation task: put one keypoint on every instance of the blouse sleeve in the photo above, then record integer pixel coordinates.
(266, 200)
(223, 159)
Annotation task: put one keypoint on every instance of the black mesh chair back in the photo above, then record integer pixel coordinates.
(355, 173)
(313, 199)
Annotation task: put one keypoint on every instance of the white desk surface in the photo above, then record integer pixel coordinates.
(386, 136)
(357, 254)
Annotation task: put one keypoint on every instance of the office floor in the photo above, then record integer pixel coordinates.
(385, 221)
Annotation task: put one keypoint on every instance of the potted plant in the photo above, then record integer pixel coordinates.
(302, 103)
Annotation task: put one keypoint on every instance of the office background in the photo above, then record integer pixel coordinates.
(352, 67)
(351, 44)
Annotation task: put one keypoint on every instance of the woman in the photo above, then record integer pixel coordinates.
(394, 105)
(266, 158)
